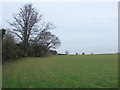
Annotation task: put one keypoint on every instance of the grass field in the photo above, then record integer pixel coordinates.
(72, 71)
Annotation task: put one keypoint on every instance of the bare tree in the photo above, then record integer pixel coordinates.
(26, 25)
(48, 40)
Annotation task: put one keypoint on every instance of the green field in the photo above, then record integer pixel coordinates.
(67, 71)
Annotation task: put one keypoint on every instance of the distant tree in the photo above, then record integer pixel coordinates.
(76, 53)
(83, 53)
(91, 53)
(66, 52)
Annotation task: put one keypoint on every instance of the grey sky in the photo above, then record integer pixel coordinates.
(82, 27)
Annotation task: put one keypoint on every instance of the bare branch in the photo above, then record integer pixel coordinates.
(18, 35)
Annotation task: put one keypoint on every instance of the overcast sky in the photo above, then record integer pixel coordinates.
(81, 26)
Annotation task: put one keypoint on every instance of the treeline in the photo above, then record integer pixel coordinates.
(11, 49)
(28, 36)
